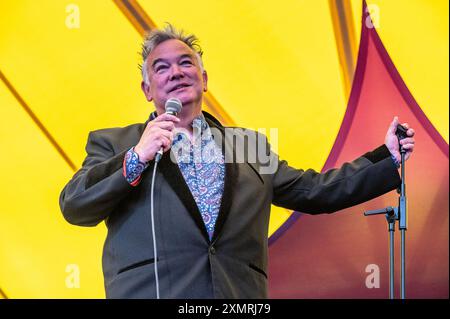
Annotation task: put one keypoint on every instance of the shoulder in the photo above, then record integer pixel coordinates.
(117, 138)
(117, 132)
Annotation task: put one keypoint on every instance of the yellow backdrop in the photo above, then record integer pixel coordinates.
(270, 65)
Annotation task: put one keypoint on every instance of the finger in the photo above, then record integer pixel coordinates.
(408, 140)
(405, 125)
(160, 129)
(161, 140)
(409, 147)
(166, 125)
(166, 143)
(166, 135)
(167, 147)
(393, 126)
(411, 132)
(167, 117)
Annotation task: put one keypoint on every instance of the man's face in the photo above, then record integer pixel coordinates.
(174, 71)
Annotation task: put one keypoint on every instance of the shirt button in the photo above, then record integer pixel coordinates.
(212, 250)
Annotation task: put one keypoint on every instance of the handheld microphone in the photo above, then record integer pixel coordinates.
(401, 134)
(173, 107)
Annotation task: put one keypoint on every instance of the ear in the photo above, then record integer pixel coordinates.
(205, 81)
(146, 89)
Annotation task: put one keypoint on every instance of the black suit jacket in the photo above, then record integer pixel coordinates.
(234, 263)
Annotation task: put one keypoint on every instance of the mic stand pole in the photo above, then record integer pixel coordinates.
(397, 213)
(403, 225)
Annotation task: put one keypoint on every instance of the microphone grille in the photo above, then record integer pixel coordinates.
(173, 106)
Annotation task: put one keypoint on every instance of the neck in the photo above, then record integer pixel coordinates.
(186, 122)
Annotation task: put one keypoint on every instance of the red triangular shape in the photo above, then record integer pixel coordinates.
(326, 256)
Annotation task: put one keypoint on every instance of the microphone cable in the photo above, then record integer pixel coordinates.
(155, 250)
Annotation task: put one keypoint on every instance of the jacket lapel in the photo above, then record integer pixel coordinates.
(174, 177)
(231, 174)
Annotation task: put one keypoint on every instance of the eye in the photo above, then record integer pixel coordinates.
(160, 68)
(186, 62)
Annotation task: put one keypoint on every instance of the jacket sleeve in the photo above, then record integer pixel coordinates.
(367, 177)
(95, 190)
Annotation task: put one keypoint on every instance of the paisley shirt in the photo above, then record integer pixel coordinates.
(202, 165)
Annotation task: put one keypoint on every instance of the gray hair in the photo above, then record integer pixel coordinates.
(158, 36)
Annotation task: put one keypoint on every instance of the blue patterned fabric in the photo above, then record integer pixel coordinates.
(203, 167)
(396, 162)
(132, 167)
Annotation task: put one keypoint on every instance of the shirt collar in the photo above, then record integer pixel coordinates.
(199, 122)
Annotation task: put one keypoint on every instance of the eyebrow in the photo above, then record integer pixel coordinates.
(156, 61)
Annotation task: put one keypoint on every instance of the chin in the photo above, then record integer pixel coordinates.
(185, 99)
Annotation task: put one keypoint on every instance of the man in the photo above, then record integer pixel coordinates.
(211, 215)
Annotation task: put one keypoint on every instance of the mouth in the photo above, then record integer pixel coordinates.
(179, 87)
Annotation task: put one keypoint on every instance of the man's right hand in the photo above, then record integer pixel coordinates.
(158, 133)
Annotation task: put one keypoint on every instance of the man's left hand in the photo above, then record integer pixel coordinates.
(391, 140)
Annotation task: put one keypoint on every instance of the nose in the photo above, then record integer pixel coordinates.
(176, 72)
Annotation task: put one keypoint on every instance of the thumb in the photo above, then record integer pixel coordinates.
(393, 127)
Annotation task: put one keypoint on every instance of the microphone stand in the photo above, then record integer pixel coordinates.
(403, 226)
(397, 213)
